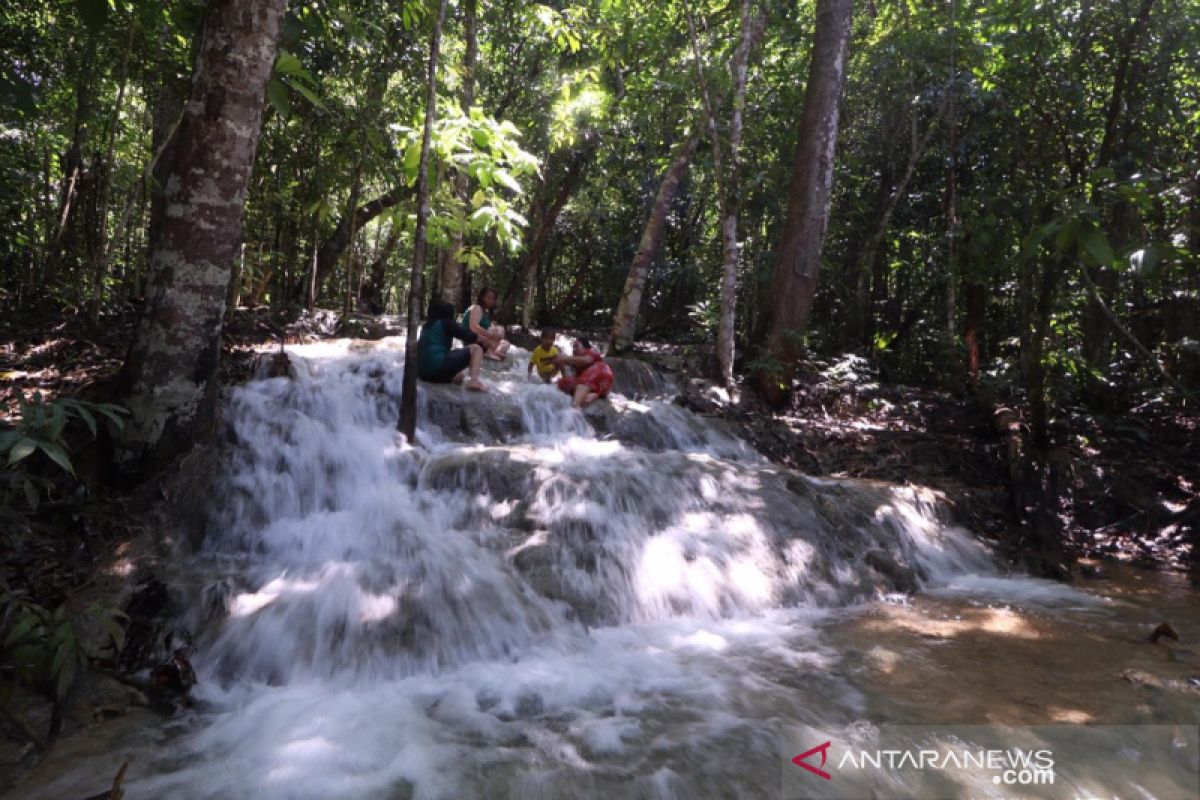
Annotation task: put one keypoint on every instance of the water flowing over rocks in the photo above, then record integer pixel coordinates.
(536, 601)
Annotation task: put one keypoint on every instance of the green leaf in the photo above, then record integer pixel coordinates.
(277, 94)
(19, 631)
(87, 418)
(288, 64)
(503, 177)
(412, 157)
(308, 94)
(58, 455)
(21, 450)
(1095, 243)
(1068, 235)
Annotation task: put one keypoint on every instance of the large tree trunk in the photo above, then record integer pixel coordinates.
(545, 227)
(169, 378)
(332, 248)
(798, 263)
(408, 392)
(374, 291)
(452, 266)
(625, 320)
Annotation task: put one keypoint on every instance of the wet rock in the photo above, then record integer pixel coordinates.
(1163, 631)
(147, 609)
(702, 397)
(899, 575)
(364, 327)
(176, 672)
(492, 472)
(636, 379)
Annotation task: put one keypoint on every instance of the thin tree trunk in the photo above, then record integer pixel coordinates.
(169, 379)
(728, 177)
(408, 395)
(866, 259)
(452, 265)
(1098, 343)
(100, 257)
(73, 160)
(798, 263)
(625, 320)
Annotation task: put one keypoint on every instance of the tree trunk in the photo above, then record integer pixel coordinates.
(169, 379)
(867, 258)
(374, 291)
(730, 247)
(625, 320)
(332, 248)
(798, 263)
(408, 393)
(451, 266)
(100, 257)
(545, 224)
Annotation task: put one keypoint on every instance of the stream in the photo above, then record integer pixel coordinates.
(541, 603)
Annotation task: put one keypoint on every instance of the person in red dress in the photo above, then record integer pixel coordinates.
(592, 379)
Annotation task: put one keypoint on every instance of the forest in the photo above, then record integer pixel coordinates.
(944, 244)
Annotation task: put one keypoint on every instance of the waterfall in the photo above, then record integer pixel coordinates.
(534, 601)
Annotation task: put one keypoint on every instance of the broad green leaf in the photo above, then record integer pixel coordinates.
(21, 450)
(503, 177)
(19, 631)
(87, 418)
(277, 93)
(412, 157)
(58, 455)
(308, 94)
(1096, 245)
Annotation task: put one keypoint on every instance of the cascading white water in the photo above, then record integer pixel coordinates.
(522, 606)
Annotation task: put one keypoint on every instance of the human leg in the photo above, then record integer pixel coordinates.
(476, 359)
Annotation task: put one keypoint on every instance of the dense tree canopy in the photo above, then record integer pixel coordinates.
(1015, 193)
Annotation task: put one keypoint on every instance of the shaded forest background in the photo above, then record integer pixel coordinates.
(1015, 206)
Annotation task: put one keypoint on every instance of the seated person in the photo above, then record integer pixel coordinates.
(478, 320)
(437, 362)
(542, 357)
(593, 379)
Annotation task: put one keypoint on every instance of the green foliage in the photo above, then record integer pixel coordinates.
(42, 650)
(489, 152)
(40, 426)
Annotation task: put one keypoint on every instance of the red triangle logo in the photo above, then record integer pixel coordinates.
(799, 760)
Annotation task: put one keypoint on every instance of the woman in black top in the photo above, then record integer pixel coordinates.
(437, 360)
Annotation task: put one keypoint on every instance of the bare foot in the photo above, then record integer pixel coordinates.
(458, 379)
(476, 386)
(493, 357)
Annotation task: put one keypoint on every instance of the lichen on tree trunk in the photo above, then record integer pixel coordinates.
(169, 378)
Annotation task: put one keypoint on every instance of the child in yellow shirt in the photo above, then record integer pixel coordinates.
(543, 357)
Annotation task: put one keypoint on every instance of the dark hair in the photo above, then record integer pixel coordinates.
(483, 293)
(587, 345)
(439, 310)
(548, 331)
